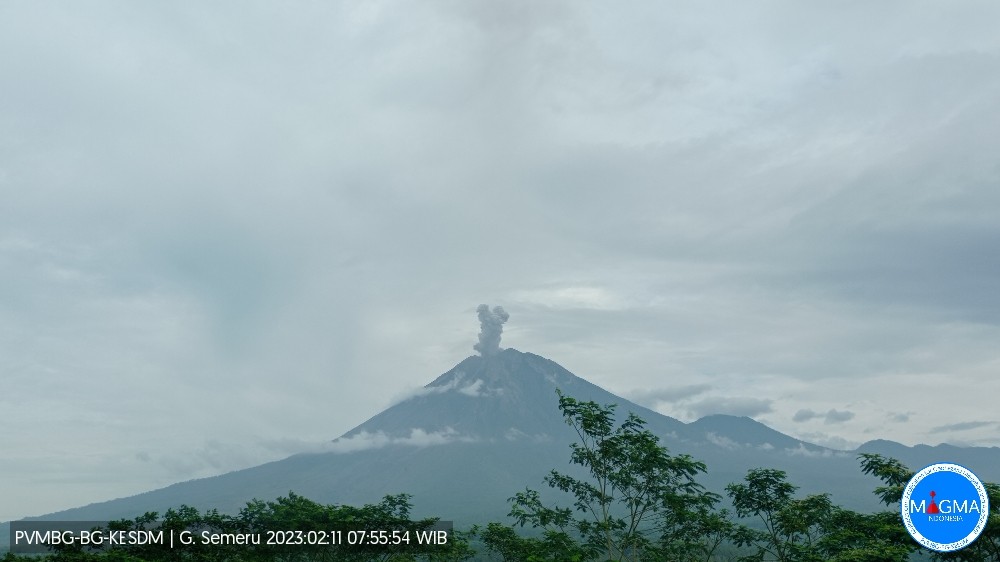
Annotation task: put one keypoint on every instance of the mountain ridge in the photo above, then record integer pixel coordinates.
(487, 428)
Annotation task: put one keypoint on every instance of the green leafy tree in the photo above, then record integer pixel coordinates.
(291, 513)
(813, 529)
(639, 502)
(864, 537)
(552, 545)
(894, 476)
(392, 514)
(766, 495)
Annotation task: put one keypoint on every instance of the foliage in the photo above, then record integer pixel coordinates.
(891, 472)
(810, 529)
(639, 502)
(292, 513)
(555, 546)
(895, 475)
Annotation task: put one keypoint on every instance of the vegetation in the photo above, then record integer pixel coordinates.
(379, 532)
(630, 500)
(640, 502)
(811, 528)
(895, 475)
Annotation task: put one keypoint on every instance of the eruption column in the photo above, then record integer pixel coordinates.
(490, 328)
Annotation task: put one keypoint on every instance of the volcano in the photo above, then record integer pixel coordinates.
(490, 427)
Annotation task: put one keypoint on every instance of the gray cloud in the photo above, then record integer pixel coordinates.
(733, 406)
(962, 426)
(837, 416)
(490, 328)
(671, 394)
(830, 417)
(225, 217)
(829, 441)
(805, 415)
(417, 438)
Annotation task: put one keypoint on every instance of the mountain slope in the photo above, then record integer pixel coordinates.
(503, 396)
(484, 430)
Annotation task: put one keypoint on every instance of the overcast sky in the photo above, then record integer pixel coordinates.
(230, 231)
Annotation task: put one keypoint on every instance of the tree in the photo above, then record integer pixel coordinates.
(296, 519)
(551, 546)
(895, 475)
(639, 502)
(813, 529)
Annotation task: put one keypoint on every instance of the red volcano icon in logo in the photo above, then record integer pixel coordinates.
(933, 508)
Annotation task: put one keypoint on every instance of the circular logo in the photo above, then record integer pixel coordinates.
(945, 507)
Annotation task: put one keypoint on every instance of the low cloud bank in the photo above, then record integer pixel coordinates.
(418, 438)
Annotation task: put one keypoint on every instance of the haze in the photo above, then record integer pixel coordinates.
(231, 231)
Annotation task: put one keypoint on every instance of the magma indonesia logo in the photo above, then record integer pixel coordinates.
(945, 507)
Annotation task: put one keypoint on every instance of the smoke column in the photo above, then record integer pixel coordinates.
(490, 328)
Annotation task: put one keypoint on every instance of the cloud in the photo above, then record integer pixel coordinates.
(900, 417)
(669, 395)
(490, 329)
(213, 456)
(803, 451)
(961, 426)
(698, 199)
(458, 383)
(722, 441)
(515, 434)
(472, 389)
(417, 438)
(477, 390)
(415, 392)
(805, 415)
(738, 406)
(837, 416)
(830, 417)
(572, 297)
(829, 441)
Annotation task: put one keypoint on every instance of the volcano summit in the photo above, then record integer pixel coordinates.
(490, 427)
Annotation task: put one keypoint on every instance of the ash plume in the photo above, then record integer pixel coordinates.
(490, 328)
